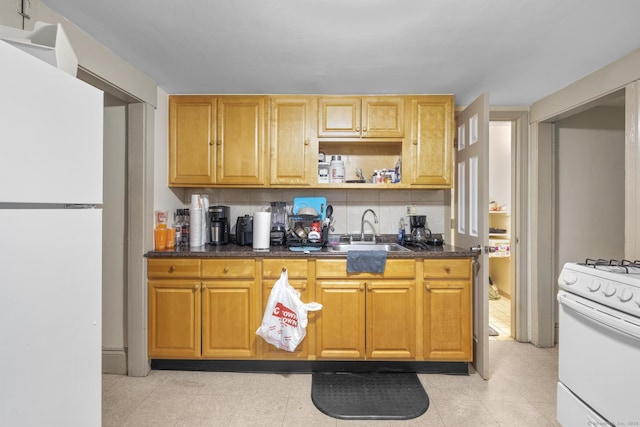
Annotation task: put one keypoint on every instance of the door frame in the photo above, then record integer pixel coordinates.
(520, 300)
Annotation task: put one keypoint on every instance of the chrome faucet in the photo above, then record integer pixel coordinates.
(375, 219)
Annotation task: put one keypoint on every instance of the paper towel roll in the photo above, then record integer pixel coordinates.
(204, 205)
(261, 230)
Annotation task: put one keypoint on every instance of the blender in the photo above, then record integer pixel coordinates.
(278, 223)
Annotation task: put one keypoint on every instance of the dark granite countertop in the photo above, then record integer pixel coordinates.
(232, 250)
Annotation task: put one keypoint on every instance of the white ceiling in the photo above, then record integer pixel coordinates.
(517, 50)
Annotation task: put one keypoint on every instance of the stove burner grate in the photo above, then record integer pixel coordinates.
(625, 266)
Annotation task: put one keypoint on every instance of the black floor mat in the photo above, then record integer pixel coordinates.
(369, 396)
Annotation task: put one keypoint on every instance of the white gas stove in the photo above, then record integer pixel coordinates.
(612, 283)
(599, 343)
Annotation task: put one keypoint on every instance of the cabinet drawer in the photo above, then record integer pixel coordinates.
(395, 268)
(228, 268)
(447, 268)
(173, 268)
(296, 268)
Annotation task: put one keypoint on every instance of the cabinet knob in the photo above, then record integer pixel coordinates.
(415, 142)
(362, 285)
(226, 270)
(306, 142)
(196, 286)
(172, 269)
(218, 142)
(210, 142)
(304, 287)
(204, 286)
(447, 269)
(427, 286)
(357, 128)
(369, 287)
(364, 129)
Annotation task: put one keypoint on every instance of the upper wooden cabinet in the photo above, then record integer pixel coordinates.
(273, 141)
(192, 129)
(241, 140)
(217, 140)
(292, 141)
(432, 140)
(369, 116)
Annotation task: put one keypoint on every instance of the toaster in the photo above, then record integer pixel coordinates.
(244, 230)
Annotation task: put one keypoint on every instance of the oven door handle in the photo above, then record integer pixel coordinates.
(614, 322)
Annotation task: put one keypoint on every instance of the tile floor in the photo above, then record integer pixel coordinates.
(500, 317)
(521, 392)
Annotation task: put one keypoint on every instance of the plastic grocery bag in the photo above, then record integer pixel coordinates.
(284, 323)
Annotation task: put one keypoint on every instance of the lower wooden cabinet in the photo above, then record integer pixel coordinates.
(366, 315)
(298, 272)
(173, 301)
(211, 309)
(448, 316)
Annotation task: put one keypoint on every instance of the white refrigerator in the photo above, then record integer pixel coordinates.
(50, 245)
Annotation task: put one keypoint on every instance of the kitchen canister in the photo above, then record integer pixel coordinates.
(336, 169)
(323, 172)
(261, 230)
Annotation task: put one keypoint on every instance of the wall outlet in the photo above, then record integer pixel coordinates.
(410, 210)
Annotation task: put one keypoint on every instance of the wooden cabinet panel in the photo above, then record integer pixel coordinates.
(340, 325)
(391, 320)
(292, 142)
(448, 310)
(241, 140)
(383, 116)
(296, 268)
(369, 116)
(337, 268)
(174, 318)
(229, 268)
(191, 140)
(173, 268)
(339, 116)
(229, 311)
(432, 140)
(447, 269)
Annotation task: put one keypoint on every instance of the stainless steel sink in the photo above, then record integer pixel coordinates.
(389, 247)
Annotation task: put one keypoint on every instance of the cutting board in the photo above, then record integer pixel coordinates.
(317, 203)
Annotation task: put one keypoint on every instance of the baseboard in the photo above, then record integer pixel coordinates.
(114, 361)
(299, 366)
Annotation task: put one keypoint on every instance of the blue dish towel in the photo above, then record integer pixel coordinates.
(366, 261)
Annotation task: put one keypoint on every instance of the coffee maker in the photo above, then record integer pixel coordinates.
(419, 233)
(219, 225)
(278, 223)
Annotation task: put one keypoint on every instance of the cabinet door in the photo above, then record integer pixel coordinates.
(340, 324)
(191, 140)
(383, 116)
(291, 141)
(339, 116)
(229, 319)
(432, 141)
(391, 320)
(447, 320)
(241, 140)
(174, 318)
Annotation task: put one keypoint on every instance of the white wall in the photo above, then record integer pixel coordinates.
(164, 198)
(114, 239)
(590, 185)
(500, 163)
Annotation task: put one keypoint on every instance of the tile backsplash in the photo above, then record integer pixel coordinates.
(348, 205)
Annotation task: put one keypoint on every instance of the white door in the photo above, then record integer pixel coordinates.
(472, 215)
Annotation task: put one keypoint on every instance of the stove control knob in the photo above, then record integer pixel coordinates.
(609, 290)
(593, 285)
(625, 295)
(567, 278)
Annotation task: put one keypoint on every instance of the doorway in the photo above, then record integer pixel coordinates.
(501, 278)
